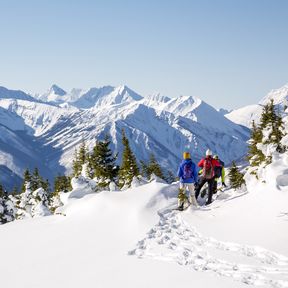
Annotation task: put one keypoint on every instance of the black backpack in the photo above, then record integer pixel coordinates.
(218, 170)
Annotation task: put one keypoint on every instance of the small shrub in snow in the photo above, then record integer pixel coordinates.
(39, 203)
(7, 209)
(32, 203)
(236, 178)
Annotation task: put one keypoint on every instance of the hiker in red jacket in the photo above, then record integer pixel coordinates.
(208, 174)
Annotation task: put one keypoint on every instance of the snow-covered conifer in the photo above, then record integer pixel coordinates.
(76, 165)
(62, 184)
(34, 200)
(255, 155)
(154, 167)
(7, 209)
(236, 178)
(102, 163)
(129, 167)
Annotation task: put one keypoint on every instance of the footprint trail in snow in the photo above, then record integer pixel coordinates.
(174, 240)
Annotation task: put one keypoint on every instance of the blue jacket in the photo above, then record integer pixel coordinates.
(194, 178)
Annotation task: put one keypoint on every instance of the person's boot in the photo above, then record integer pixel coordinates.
(209, 201)
(180, 205)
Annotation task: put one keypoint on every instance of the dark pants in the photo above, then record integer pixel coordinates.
(210, 188)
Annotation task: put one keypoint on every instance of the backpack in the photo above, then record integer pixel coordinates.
(218, 170)
(208, 169)
(187, 170)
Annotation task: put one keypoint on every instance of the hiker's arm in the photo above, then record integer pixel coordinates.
(180, 172)
(201, 163)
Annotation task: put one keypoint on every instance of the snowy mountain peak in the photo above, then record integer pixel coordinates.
(182, 105)
(57, 90)
(107, 96)
(14, 94)
(245, 115)
(124, 94)
(279, 96)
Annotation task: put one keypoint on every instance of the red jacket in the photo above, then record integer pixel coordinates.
(214, 162)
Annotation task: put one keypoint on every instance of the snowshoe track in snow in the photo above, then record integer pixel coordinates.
(174, 240)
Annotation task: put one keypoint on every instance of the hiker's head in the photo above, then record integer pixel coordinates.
(186, 155)
(208, 152)
(216, 157)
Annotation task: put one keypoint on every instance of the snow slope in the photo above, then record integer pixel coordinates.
(245, 115)
(133, 238)
(150, 130)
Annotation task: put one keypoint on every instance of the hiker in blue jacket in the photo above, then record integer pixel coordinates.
(188, 176)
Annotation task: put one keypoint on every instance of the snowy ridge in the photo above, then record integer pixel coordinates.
(54, 95)
(279, 96)
(14, 94)
(245, 115)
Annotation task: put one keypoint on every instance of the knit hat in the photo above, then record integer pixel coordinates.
(186, 155)
(208, 152)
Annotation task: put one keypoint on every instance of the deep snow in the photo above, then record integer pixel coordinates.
(134, 238)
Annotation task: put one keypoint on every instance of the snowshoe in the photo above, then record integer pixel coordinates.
(208, 203)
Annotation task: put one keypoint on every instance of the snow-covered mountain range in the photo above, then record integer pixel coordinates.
(245, 115)
(43, 130)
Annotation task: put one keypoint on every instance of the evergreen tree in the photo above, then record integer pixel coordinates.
(144, 169)
(272, 127)
(46, 185)
(76, 165)
(154, 167)
(102, 161)
(39, 203)
(62, 184)
(278, 134)
(2, 191)
(82, 156)
(33, 201)
(129, 167)
(255, 155)
(26, 179)
(37, 181)
(7, 209)
(170, 178)
(269, 132)
(15, 191)
(236, 178)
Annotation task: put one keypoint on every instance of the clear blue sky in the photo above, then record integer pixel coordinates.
(229, 53)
